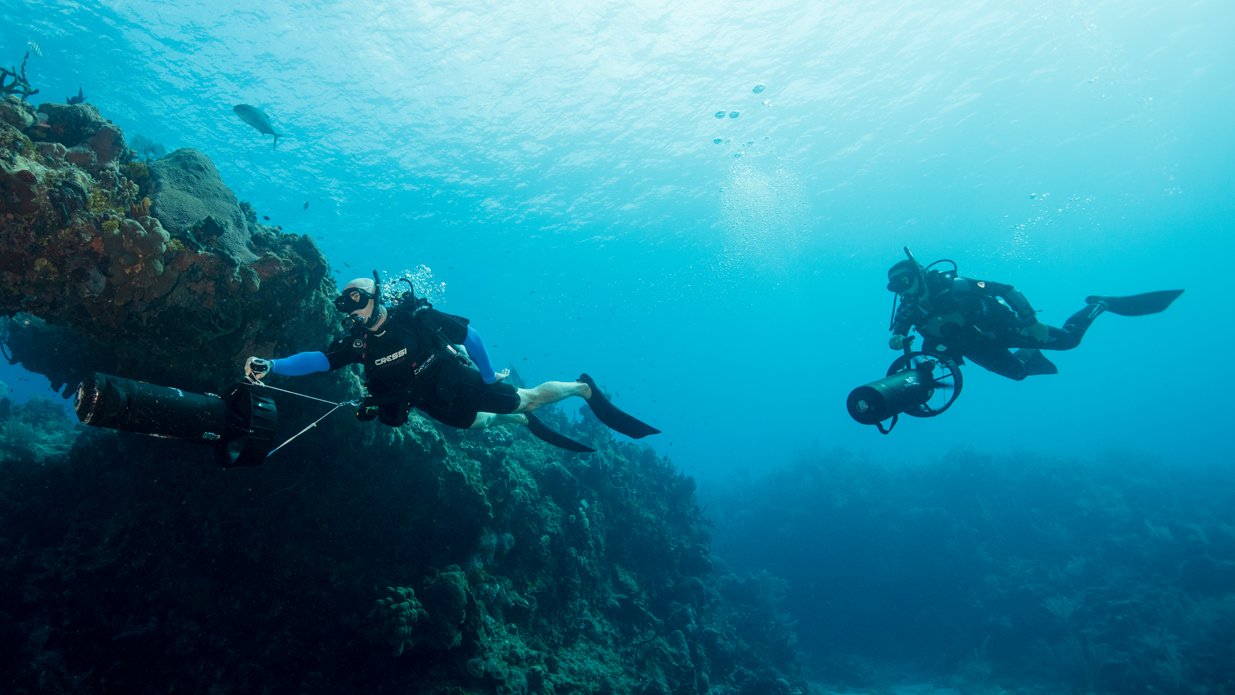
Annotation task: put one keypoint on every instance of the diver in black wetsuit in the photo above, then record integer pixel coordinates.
(418, 357)
(984, 321)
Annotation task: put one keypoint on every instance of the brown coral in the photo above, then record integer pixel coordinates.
(141, 208)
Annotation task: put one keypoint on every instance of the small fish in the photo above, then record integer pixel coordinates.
(266, 217)
(306, 205)
(254, 117)
(34, 48)
(79, 99)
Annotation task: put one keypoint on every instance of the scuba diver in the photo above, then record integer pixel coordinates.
(990, 323)
(415, 356)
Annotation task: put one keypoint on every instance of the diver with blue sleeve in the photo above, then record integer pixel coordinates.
(415, 356)
(303, 363)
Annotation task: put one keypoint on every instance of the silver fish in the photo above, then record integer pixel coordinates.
(256, 118)
(34, 48)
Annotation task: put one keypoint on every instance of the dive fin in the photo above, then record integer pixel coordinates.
(614, 418)
(1137, 304)
(542, 432)
(1035, 362)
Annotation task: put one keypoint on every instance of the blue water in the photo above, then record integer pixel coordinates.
(560, 167)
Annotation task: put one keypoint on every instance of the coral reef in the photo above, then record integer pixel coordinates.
(34, 432)
(395, 617)
(128, 552)
(121, 250)
(360, 559)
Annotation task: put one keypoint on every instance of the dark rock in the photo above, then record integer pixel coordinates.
(444, 597)
(72, 125)
(19, 190)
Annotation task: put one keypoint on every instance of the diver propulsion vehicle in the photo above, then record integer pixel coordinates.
(240, 424)
(919, 383)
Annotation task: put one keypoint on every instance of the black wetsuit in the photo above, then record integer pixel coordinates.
(412, 363)
(983, 321)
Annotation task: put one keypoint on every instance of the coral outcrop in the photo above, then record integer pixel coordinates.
(143, 260)
(361, 558)
(190, 198)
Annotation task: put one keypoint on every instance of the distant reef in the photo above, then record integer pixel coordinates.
(361, 558)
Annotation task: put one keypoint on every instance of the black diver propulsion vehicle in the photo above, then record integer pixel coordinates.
(918, 383)
(240, 424)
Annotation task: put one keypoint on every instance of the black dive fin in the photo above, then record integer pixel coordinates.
(542, 432)
(1035, 362)
(1137, 304)
(615, 419)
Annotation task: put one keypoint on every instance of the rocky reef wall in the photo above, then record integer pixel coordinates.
(143, 260)
(359, 559)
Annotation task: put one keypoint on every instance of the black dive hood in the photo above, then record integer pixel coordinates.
(912, 382)
(240, 424)
(921, 271)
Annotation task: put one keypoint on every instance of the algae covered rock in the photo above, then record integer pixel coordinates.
(92, 141)
(145, 257)
(72, 124)
(189, 197)
(17, 113)
(445, 598)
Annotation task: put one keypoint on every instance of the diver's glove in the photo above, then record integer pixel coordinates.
(256, 368)
(900, 342)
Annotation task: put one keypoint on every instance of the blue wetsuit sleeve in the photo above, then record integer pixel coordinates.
(300, 364)
(480, 357)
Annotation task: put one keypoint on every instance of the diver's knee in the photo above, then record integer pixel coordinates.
(1068, 338)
